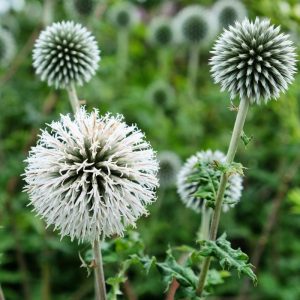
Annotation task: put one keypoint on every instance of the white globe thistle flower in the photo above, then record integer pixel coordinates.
(80, 8)
(123, 15)
(91, 177)
(253, 60)
(65, 53)
(199, 174)
(7, 47)
(160, 32)
(169, 165)
(7, 5)
(229, 11)
(161, 93)
(195, 25)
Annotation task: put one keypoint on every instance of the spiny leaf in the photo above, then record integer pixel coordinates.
(246, 139)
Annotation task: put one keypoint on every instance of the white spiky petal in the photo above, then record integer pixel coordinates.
(187, 188)
(253, 60)
(7, 47)
(65, 53)
(91, 177)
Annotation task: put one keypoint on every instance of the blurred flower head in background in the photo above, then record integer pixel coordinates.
(91, 177)
(253, 60)
(199, 176)
(160, 32)
(7, 5)
(65, 53)
(7, 47)
(82, 8)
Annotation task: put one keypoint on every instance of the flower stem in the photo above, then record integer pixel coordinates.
(236, 134)
(1, 293)
(99, 274)
(73, 97)
(193, 69)
(206, 214)
(163, 57)
(122, 52)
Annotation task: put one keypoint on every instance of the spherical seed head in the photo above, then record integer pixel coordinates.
(199, 173)
(7, 47)
(65, 53)
(81, 8)
(195, 25)
(91, 177)
(169, 165)
(253, 60)
(229, 11)
(123, 15)
(161, 32)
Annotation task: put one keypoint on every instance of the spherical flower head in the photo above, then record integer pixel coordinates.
(169, 165)
(194, 25)
(200, 176)
(123, 15)
(253, 60)
(65, 53)
(7, 47)
(229, 11)
(161, 32)
(161, 93)
(91, 176)
(82, 8)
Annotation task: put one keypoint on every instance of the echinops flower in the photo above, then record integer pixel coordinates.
(161, 32)
(195, 25)
(123, 15)
(253, 60)
(229, 11)
(83, 8)
(199, 176)
(169, 165)
(7, 47)
(65, 53)
(91, 176)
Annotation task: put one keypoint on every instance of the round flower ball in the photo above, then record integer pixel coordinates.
(65, 53)
(253, 60)
(7, 47)
(91, 176)
(169, 165)
(123, 15)
(229, 11)
(195, 25)
(200, 176)
(82, 8)
(161, 32)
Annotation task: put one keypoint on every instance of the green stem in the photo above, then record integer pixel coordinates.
(99, 273)
(236, 134)
(205, 224)
(48, 12)
(163, 57)
(193, 69)
(73, 97)
(1, 294)
(122, 52)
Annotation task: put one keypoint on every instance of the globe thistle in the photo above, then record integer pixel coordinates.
(65, 53)
(161, 32)
(80, 8)
(198, 181)
(229, 11)
(123, 15)
(253, 60)
(169, 165)
(161, 93)
(7, 5)
(7, 47)
(194, 25)
(92, 176)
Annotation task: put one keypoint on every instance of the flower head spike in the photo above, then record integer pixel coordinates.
(161, 32)
(123, 15)
(195, 25)
(253, 60)
(199, 179)
(83, 8)
(229, 11)
(7, 47)
(91, 177)
(65, 53)
(169, 165)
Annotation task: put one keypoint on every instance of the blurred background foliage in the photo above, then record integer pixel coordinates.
(35, 264)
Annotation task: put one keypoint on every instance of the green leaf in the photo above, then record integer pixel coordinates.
(246, 139)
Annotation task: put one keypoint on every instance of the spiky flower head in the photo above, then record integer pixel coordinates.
(161, 93)
(7, 5)
(82, 8)
(169, 165)
(65, 53)
(91, 176)
(198, 181)
(123, 15)
(229, 11)
(253, 60)
(7, 47)
(195, 25)
(161, 32)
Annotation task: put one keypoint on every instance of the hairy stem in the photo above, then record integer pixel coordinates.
(193, 69)
(73, 97)
(99, 274)
(48, 12)
(122, 52)
(1, 294)
(236, 134)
